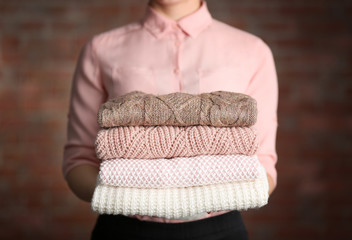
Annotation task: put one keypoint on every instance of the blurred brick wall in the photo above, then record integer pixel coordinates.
(312, 45)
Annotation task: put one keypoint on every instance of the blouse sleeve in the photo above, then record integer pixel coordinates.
(263, 87)
(87, 94)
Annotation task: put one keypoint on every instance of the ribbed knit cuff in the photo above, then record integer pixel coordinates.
(175, 203)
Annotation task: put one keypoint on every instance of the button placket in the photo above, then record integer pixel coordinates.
(178, 45)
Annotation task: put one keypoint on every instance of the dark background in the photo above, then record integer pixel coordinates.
(312, 44)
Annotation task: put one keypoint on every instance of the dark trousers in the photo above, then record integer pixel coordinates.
(223, 227)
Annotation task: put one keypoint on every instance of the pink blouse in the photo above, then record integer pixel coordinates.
(158, 55)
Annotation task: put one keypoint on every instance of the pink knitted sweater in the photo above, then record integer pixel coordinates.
(179, 172)
(171, 141)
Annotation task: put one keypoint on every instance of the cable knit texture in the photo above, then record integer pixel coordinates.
(179, 172)
(175, 203)
(170, 141)
(218, 108)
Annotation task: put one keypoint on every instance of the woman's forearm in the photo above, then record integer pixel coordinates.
(82, 181)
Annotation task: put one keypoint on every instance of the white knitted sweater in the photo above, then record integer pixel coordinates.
(176, 203)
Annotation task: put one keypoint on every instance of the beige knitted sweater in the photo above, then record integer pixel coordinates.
(217, 109)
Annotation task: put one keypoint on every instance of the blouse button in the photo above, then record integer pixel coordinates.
(176, 71)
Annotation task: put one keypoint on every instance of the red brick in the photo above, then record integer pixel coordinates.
(304, 10)
(316, 122)
(64, 26)
(31, 25)
(104, 10)
(7, 10)
(57, 11)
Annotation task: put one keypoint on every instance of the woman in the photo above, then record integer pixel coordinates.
(177, 47)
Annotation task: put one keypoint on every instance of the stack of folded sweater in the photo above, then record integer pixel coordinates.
(178, 155)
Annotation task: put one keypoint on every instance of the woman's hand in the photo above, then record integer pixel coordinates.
(82, 180)
(271, 184)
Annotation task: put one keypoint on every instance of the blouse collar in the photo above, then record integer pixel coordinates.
(193, 24)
